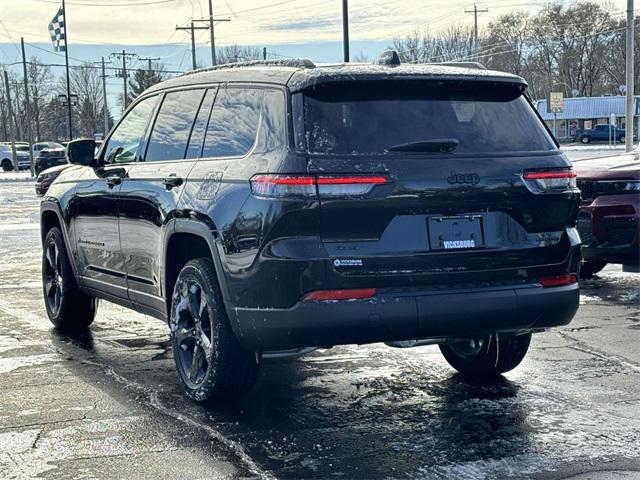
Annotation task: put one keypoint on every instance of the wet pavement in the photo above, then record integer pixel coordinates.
(108, 404)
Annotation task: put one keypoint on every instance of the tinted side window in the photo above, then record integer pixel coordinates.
(234, 122)
(273, 125)
(125, 140)
(173, 125)
(200, 127)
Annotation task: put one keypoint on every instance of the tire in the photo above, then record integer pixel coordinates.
(6, 165)
(489, 357)
(67, 307)
(590, 267)
(585, 140)
(212, 365)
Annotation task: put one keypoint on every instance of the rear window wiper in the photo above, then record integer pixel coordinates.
(444, 145)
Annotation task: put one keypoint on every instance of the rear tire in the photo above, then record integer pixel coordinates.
(211, 363)
(487, 357)
(6, 165)
(67, 307)
(585, 140)
(590, 267)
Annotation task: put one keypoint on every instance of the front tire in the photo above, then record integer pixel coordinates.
(211, 363)
(487, 357)
(67, 307)
(585, 140)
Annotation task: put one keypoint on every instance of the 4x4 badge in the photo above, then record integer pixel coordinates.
(471, 178)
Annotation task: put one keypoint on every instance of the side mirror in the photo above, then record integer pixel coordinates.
(81, 152)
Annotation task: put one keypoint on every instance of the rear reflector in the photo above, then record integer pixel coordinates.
(559, 280)
(307, 185)
(561, 180)
(348, 294)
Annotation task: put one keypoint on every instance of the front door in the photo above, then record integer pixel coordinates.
(95, 207)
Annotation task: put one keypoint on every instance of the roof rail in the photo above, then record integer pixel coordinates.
(475, 65)
(287, 62)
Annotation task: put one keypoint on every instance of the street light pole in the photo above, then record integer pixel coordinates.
(629, 130)
(345, 29)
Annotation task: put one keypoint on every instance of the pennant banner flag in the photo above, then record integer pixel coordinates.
(57, 32)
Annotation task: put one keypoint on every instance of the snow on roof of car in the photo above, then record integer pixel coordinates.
(302, 74)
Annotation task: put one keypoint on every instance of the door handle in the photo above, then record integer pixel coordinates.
(113, 180)
(172, 181)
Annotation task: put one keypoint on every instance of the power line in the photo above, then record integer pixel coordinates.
(123, 73)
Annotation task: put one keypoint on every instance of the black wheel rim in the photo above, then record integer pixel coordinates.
(469, 348)
(192, 333)
(53, 279)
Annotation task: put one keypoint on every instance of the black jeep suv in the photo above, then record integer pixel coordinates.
(274, 207)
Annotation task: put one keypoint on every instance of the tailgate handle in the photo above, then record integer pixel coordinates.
(172, 181)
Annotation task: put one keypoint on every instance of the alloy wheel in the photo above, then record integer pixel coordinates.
(191, 326)
(53, 279)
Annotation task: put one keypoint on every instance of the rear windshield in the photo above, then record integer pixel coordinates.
(465, 117)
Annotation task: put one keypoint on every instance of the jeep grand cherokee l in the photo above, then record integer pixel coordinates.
(269, 208)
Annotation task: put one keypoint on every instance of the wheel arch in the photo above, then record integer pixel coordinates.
(186, 240)
(50, 216)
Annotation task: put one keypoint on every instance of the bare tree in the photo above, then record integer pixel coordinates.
(238, 53)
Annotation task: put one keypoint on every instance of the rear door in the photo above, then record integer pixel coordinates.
(422, 181)
(153, 186)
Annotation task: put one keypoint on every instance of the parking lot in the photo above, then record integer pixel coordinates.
(108, 404)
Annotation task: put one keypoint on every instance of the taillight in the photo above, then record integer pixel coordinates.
(283, 186)
(307, 185)
(335, 295)
(559, 280)
(551, 180)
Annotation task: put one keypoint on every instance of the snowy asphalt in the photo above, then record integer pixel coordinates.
(108, 404)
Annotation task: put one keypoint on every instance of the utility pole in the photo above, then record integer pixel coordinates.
(27, 108)
(345, 30)
(105, 108)
(192, 29)
(475, 12)
(629, 130)
(125, 76)
(211, 21)
(264, 53)
(11, 133)
(149, 60)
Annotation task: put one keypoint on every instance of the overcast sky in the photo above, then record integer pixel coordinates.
(295, 28)
(259, 22)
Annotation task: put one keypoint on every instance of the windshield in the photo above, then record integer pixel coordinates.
(377, 117)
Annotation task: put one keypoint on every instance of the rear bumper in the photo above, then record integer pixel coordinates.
(405, 315)
(610, 229)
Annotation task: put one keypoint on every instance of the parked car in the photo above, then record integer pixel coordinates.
(609, 219)
(50, 157)
(7, 160)
(279, 206)
(46, 178)
(600, 133)
(38, 146)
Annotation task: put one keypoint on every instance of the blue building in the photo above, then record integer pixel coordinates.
(587, 112)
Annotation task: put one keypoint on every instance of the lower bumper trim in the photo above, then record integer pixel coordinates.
(390, 317)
